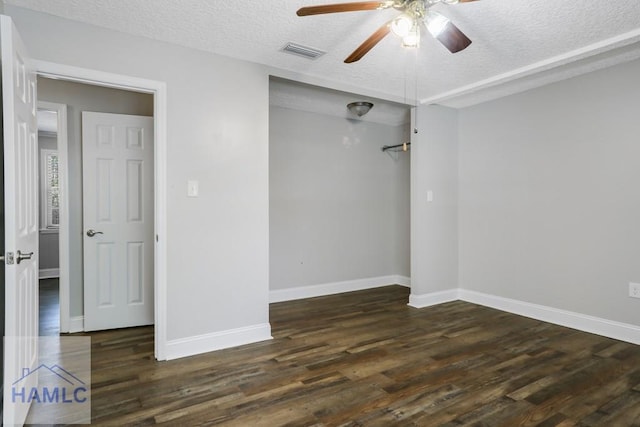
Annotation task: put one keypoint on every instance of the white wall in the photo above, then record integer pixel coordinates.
(78, 98)
(217, 260)
(434, 225)
(549, 199)
(339, 206)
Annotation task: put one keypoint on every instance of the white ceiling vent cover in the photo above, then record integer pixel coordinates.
(304, 51)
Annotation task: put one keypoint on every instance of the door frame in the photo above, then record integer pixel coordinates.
(159, 91)
(63, 229)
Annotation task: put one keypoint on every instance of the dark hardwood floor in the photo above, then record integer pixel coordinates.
(49, 295)
(367, 359)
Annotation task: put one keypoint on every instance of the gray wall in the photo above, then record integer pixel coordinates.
(48, 256)
(339, 206)
(549, 199)
(78, 98)
(217, 132)
(434, 224)
(49, 142)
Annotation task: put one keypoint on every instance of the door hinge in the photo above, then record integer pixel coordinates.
(9, 258)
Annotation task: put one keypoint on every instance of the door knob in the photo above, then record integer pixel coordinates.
(22, 256)
(92, 233)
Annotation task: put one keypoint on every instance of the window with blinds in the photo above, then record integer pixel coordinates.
(50, 189)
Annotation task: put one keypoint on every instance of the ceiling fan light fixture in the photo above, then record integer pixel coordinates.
(413, 14)
(360, 108)
(401, 26)
(412, 40)
(435, 22)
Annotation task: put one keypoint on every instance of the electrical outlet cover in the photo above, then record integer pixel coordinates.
(634, 290)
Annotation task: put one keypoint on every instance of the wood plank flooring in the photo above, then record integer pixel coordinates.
(367, 359)
(49, 307)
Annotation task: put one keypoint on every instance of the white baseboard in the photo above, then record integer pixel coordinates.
(582, 322)
(427, 300)
(402, 280)
(49, 273)
(198, 344)
(289, 294)
(76, 324)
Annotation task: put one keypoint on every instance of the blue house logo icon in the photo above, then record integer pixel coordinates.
(56, 386)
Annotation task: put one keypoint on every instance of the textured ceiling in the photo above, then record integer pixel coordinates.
(516, 43)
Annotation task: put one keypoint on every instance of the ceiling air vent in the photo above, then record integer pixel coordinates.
(304, 51)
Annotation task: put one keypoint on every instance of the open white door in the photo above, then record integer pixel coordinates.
(21, 221)
(118, 212)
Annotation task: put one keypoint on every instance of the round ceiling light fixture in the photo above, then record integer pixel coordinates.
(360, 108)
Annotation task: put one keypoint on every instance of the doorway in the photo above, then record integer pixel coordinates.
(156, 92)
(52, 131)
(79, 97)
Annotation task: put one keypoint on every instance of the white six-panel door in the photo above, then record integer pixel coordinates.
(117, 162)
(21, 219)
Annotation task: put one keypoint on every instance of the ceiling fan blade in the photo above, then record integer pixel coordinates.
(453, 39)
(369, 43)
(342, 7)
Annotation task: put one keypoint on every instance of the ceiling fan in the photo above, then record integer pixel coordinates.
(407, 25)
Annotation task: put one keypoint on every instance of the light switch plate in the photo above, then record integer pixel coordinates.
(192, 188)
(430, 196)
